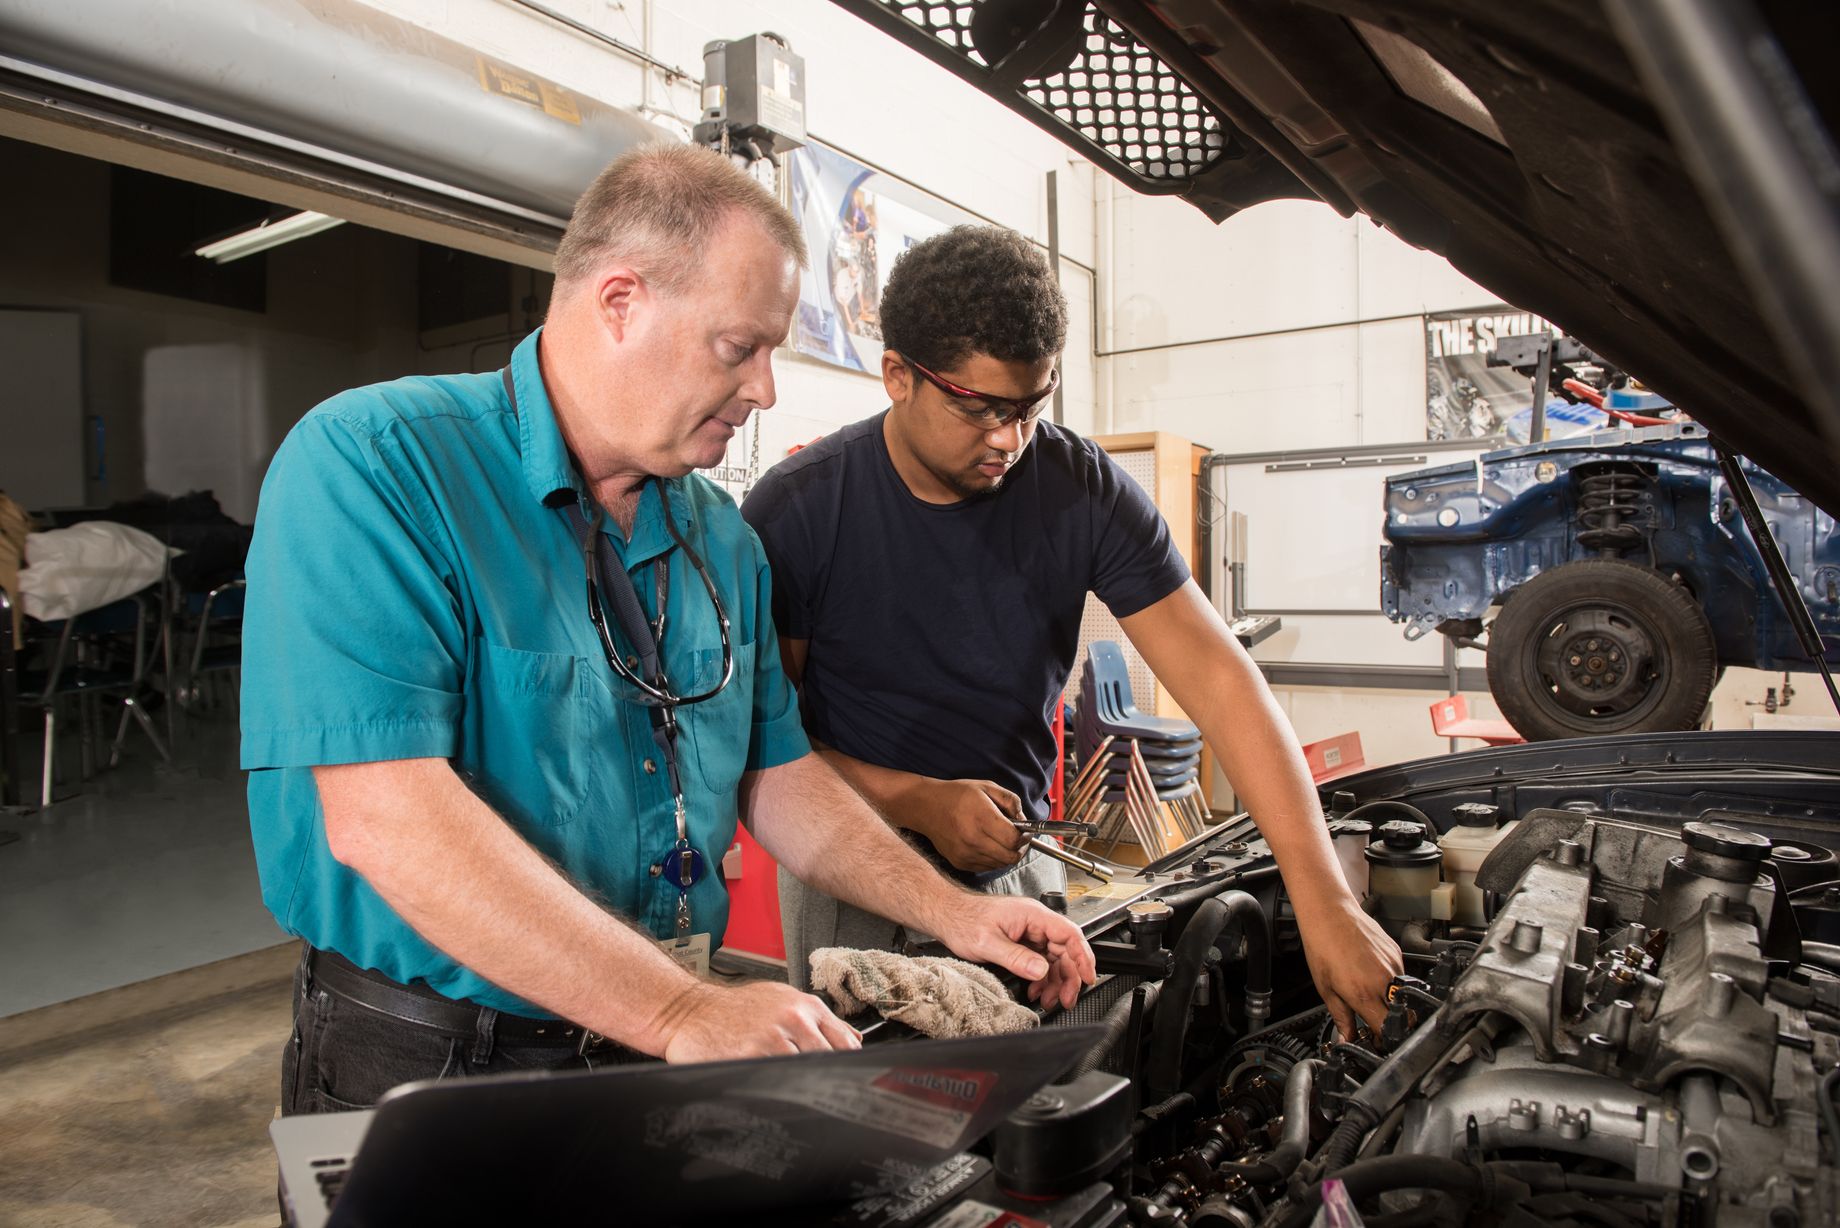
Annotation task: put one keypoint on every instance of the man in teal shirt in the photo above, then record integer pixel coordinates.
(497, 852)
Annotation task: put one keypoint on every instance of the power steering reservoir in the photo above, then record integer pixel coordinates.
(1403, 871)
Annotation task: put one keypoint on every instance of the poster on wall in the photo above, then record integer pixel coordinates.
(1466, 398)
(857, 221)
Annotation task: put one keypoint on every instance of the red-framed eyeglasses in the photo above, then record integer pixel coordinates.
(995, 412)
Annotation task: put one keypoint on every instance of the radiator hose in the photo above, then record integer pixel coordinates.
(1163, 1072)
(1299, 1085)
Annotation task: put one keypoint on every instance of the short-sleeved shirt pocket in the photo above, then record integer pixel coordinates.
(536, 723)
(722, 727)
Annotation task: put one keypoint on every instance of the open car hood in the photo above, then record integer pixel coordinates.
(1520, 141)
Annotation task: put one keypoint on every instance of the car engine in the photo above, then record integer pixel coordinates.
(1640, 1027)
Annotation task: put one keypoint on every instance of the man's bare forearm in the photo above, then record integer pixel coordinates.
(1217, 684)
(898, 796)
(815, 825)
(457, 873)
(1220, 688)
(1260, 756)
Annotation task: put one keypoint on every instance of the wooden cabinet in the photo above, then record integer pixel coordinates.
(1168, 467)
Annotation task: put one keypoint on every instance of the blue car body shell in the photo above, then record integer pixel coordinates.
(1461, 538)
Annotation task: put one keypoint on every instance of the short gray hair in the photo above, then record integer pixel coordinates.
(658, 206)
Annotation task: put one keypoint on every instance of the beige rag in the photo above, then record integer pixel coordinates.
(933, 996)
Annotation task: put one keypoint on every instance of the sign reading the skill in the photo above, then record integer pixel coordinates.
(1466, 398)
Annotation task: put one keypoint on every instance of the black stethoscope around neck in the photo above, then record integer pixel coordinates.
(609, 586)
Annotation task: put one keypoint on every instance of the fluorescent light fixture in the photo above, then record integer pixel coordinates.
(267, 235)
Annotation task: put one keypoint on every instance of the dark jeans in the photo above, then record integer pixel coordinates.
(344, 1056)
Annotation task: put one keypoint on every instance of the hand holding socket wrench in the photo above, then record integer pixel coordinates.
(1090, 865)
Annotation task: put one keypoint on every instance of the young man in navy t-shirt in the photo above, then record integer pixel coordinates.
(930, 569)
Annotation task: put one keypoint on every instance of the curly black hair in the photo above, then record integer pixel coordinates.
(973, 290)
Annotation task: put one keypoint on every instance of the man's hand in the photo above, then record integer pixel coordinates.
(1042, 947)
(1351, 960)
(971, 823)
(709, 1023)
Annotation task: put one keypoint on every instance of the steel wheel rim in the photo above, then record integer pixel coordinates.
(1597, 663)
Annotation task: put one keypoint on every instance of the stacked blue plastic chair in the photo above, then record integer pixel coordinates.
(1138, 773)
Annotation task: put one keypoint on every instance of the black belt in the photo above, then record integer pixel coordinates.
(424, 1008)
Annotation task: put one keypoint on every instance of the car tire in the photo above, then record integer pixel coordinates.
(1597, 647)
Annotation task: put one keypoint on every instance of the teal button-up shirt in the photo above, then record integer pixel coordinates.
(414, 592)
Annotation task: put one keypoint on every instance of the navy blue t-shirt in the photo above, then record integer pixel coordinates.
(941, 636)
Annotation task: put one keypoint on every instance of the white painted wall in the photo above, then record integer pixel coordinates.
(1741, 694)
(866, 95)
(1285, 327)
(1395, 726)
(1337, 360)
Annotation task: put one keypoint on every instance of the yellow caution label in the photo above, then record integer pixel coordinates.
(560, 103)
(520, 86)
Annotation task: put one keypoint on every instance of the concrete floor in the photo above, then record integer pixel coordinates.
(132, 1092)
(129, 1095)
(144, 998)
(149, 1105)
(150, 1120)
(140, 871)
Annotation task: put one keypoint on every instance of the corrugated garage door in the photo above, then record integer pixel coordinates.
(323, 104)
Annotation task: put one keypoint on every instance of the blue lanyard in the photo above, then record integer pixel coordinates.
(683, 864)
(646, 636)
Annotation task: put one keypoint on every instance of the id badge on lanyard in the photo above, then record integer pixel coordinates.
(683, 865)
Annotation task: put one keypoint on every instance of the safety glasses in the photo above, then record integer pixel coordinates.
(988, 411)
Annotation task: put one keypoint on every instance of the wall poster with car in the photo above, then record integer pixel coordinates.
(857, 221)
(1468, 398)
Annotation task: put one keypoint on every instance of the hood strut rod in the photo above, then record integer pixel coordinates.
(1773, 562)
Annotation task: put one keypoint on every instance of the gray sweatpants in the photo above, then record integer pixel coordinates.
(812, 920)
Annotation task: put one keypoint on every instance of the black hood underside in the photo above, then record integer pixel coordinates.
(1517, 140)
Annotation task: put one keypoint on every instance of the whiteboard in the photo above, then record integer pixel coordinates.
(1313, 525)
